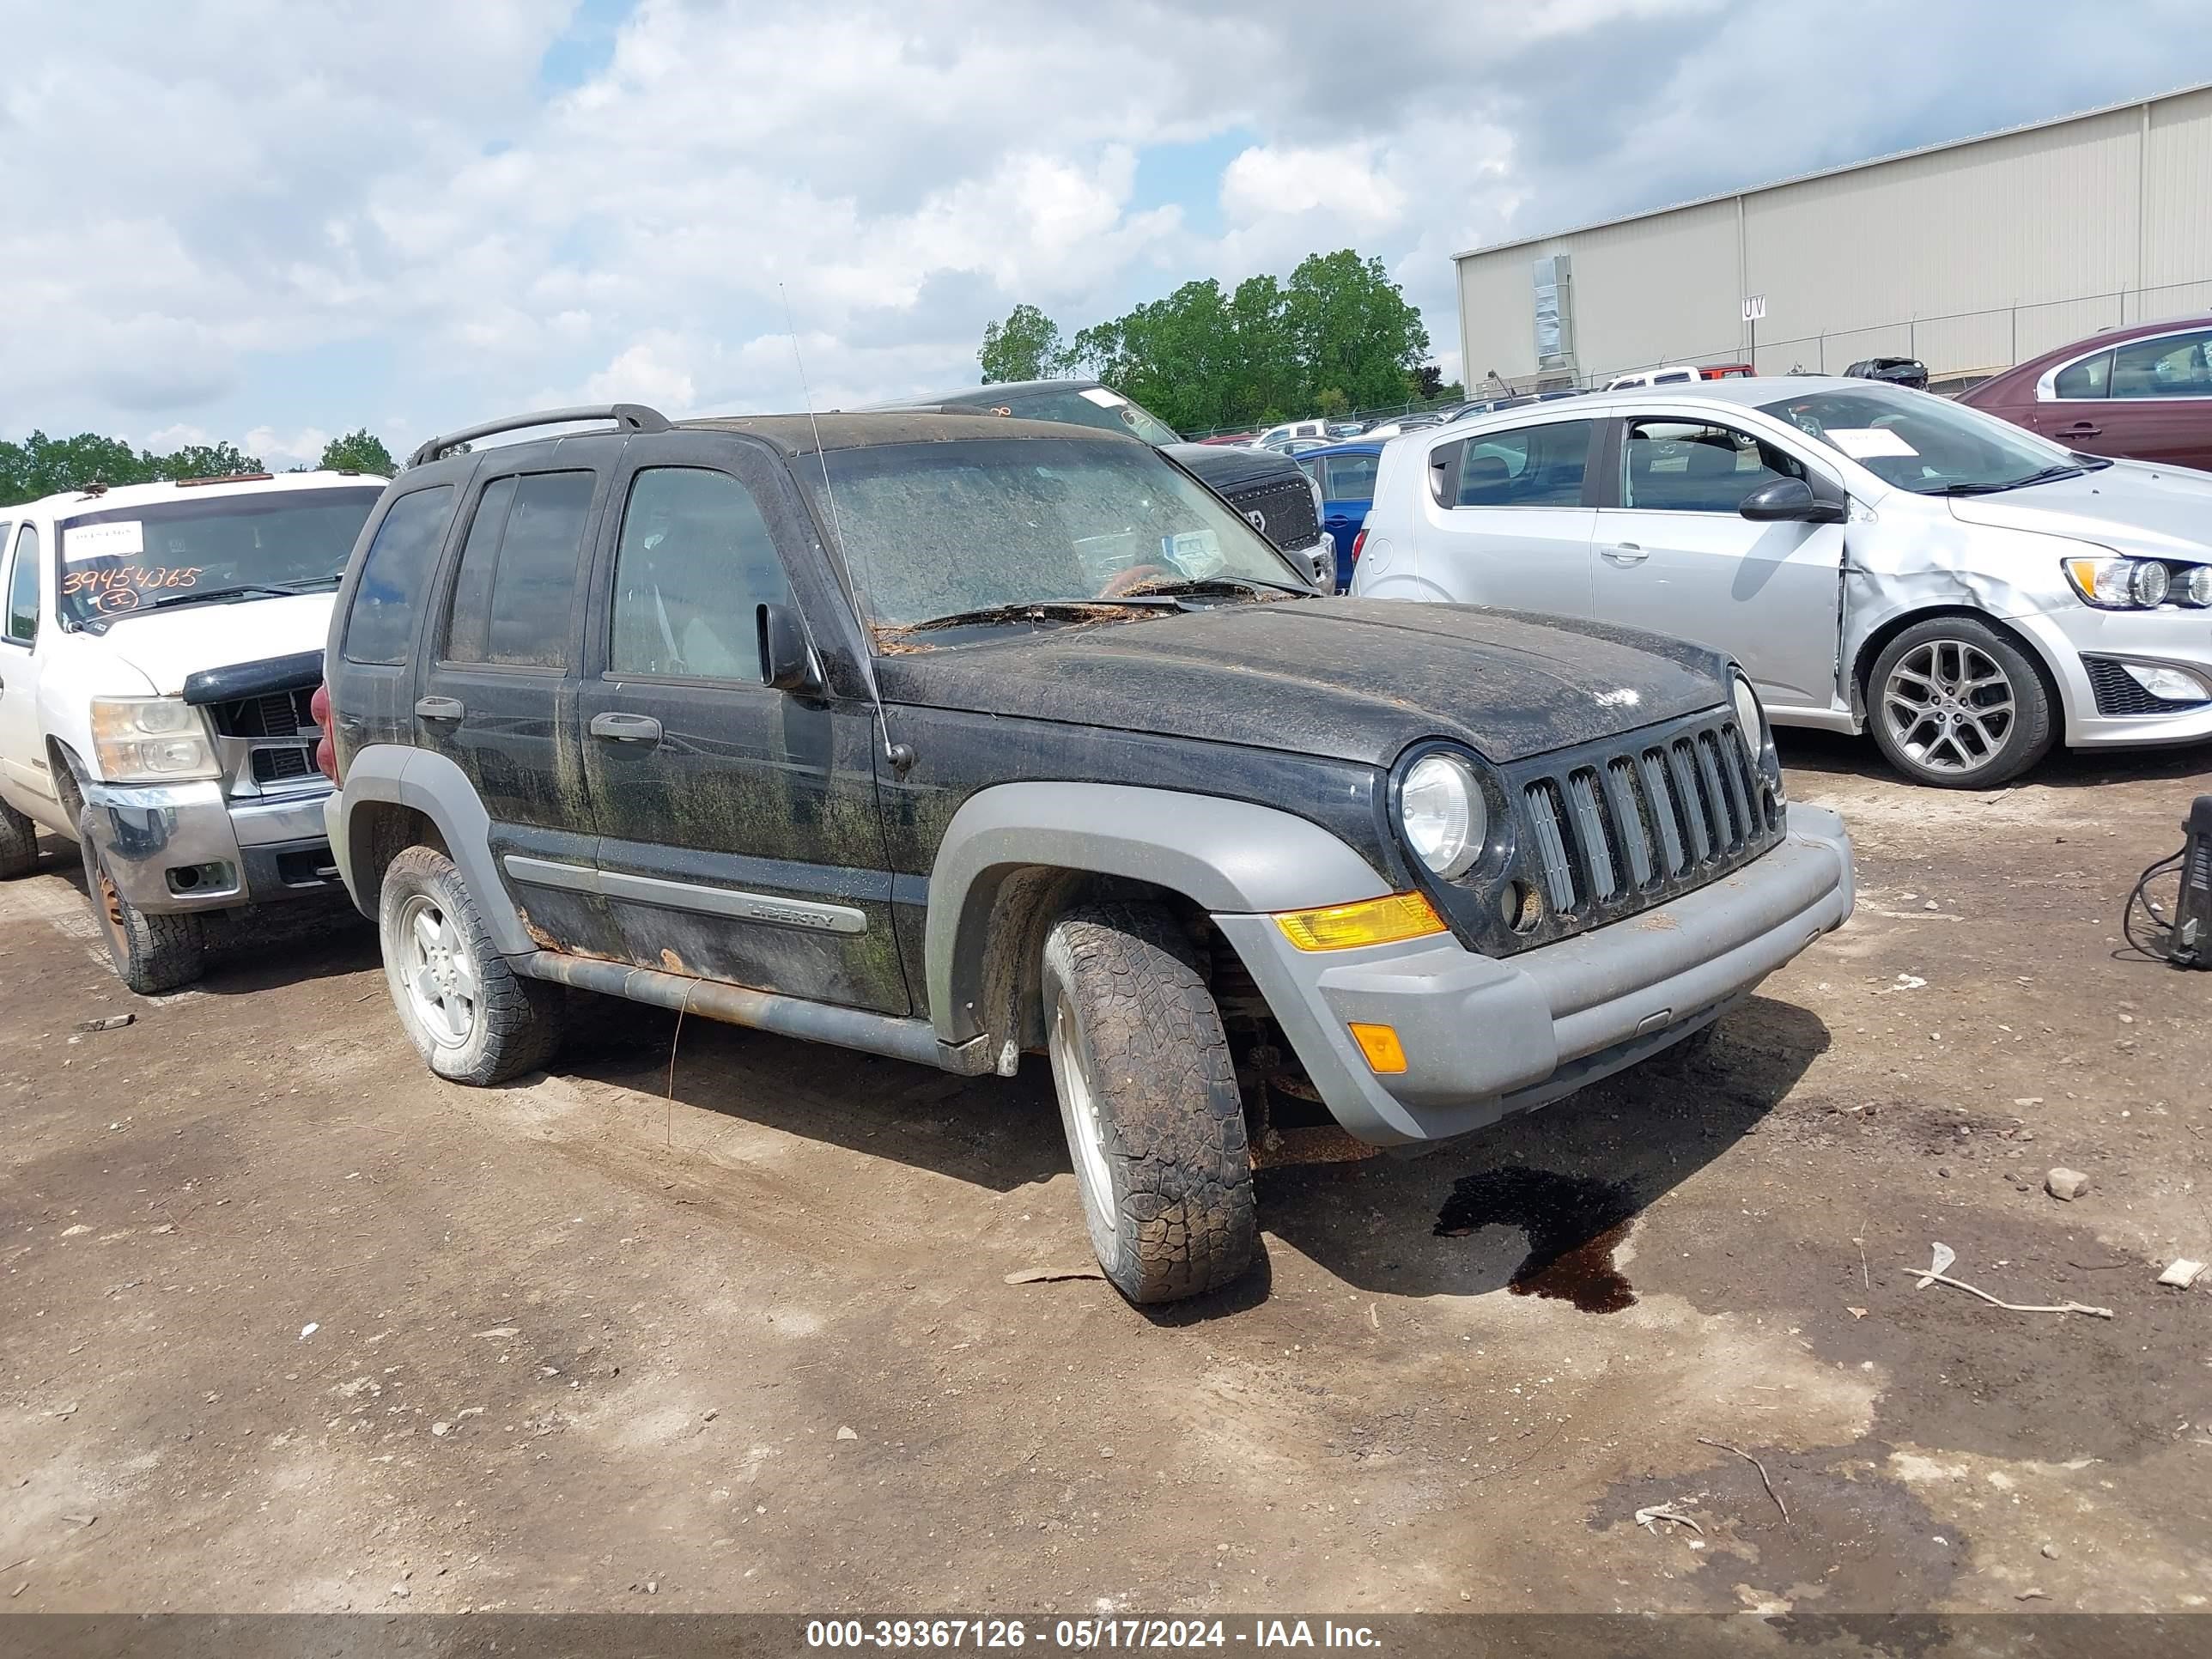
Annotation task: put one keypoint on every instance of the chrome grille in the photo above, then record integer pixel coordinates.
(1645, 817)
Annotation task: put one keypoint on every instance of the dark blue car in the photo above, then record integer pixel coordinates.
(1345, 473)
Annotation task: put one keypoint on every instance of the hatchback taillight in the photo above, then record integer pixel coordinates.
(326, 749)
(1358, 542)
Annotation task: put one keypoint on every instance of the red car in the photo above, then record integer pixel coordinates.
(2143, 393)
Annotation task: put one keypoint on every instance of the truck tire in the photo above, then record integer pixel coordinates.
(472, 1017)
(1148, 1097)
(19, 843)
(151, 953)
(1955, 704)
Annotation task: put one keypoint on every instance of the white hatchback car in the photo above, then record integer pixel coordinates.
(1876, 558)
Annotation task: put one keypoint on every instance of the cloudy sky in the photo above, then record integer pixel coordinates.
(269, 221)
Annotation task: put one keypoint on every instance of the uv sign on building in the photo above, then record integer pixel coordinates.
(1969, 256)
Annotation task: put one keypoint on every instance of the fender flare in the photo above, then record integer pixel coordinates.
(434, 785)
(1225, 856)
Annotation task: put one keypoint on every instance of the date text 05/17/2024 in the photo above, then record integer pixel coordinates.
(1168, 1634)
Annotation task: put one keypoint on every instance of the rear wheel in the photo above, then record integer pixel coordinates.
(470, 1015)
(151, 953)
(19, 843)
(1148, 1100)
(1956, 705)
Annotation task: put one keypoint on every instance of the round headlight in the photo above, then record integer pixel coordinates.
(1750, 718)
(1441, 812)
(2196, 587)
(2147, 584)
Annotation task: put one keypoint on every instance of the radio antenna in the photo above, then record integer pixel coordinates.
(899, 755)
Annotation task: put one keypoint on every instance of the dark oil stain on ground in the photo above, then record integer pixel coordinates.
(1574, 1223)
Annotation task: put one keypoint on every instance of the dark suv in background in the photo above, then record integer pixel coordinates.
(954, 737)
(1268, 488)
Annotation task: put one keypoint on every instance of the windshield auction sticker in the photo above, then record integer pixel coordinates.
(117, 586)
(125, 538)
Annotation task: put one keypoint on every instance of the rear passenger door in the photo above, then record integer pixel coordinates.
(498, 691)
(1509, 522)
(740, 834)
(1347, 491)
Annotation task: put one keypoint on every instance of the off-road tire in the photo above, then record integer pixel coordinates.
(19, 843)
(1165, 1177)
(2033, 729)
(151, 953)
(516, 1025)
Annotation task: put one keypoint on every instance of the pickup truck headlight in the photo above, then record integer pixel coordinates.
(150, 740)
(2117, 584)
(1442, 815)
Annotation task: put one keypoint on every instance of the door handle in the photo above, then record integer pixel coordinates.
(440, 708)
(2081, 429)
(1625, 553)
(626, 728)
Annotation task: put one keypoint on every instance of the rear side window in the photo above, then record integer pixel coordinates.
(1350, 478)
(694, 565)
(388, 597)
(2168, 366)
(1688, 466)
(1526, 466)
(2090, 378)
(23, 586)
(516, 588)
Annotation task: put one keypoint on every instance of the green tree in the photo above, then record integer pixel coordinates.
(357, 452)
(202, 461)
(1026, 347)
(40, 465)
(1353, 329)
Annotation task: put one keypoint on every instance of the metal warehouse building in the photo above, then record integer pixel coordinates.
(1969, 255)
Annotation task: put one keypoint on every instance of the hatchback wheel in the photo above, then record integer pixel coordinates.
(1957, 705)
(471, 1016)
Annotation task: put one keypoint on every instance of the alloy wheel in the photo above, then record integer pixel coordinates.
(1087, 1138)
(439, 976)
(1949, 705)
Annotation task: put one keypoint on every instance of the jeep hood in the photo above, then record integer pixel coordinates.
(2158, 512)
(1350, 679)
(166, 646)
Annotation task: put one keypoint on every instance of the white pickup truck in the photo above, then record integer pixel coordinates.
(160, 647)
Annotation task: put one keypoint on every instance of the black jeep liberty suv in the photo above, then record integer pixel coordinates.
(954, 737)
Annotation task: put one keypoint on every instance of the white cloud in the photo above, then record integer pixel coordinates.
(645, 374)
(278, 450)
(1342, 180)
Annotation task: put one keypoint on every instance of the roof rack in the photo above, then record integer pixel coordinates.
(627, 417)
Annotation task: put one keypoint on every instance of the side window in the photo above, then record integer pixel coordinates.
(2170, 366)
(1689, 466)
(1350, 478)
(516, 587)
(23, 586)
(2090, 378)
(694, 564)
(393, 573)
(1526, 467)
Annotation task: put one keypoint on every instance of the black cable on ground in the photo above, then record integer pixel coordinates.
(2160, 942)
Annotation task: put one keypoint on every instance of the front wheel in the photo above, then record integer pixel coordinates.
(1957, 705)
(19, 843)
(1148, 1097)
(151, 953)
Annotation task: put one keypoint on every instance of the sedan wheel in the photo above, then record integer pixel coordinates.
(1957, 704)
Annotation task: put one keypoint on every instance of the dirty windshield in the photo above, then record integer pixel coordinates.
(1094, 405)
(1928, 444)
(938, 531)
(118, 561)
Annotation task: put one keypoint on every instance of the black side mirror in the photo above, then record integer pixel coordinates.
(1790, 501)
(787, 664)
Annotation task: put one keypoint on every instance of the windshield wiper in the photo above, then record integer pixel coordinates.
(2064, 469)
(1023, 610)
(1221, 585)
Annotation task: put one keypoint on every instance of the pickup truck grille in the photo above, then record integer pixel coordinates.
(274, 734)
(1285, 504)
(1645, 817)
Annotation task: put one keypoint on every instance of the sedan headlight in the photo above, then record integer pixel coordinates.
(150, 740)
(2194, 586)
(2118, 584)
(1442, 815)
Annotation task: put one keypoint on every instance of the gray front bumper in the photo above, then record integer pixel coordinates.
(270, 849)
(1487, 1036)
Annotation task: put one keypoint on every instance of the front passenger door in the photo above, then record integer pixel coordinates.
(739, 835)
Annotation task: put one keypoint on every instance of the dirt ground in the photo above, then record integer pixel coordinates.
(287, 1324)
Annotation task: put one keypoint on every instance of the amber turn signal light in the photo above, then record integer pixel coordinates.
(1370, 922)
